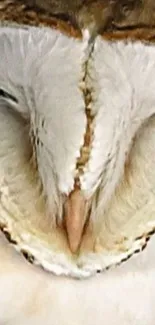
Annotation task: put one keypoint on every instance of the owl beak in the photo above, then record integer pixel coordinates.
(75, 218)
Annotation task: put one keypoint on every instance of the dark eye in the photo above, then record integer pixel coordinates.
(6, 95)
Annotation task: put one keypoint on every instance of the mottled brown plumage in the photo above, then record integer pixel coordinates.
(114, 16)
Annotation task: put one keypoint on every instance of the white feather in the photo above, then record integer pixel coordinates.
(123, 99)
(30, 71)
(46, 84)
(13, 48)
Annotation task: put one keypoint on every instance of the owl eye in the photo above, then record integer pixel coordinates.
(4, 94)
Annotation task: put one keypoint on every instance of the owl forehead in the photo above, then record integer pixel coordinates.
(64, 118)
(74, 120)
(78, 110)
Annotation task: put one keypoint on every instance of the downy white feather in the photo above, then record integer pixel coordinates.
(43, 70)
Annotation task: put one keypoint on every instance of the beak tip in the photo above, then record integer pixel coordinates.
(74, 241)
(74, 220)
(73, 245)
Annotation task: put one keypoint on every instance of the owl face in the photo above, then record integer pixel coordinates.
(76, 151)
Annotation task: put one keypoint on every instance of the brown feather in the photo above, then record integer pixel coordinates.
(71, 16)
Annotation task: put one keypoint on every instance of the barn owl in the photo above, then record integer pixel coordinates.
(77, 132)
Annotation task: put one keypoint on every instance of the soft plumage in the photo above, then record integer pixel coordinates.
(77, 148)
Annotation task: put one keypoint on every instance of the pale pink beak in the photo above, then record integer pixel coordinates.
(75, 218)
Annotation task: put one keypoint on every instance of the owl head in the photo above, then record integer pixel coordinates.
(77, 120)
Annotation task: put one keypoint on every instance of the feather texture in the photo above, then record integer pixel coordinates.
(41, 88)
(51, 81)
